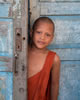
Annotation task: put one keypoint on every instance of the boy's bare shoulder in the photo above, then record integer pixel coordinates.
(56, 61)
(56, 58)
(55, 72)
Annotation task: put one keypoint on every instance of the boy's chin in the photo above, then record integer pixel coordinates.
(40, 47)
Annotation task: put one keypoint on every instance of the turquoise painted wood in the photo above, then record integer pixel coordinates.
(67, 29)
(59, 0)
(68, 54)
(6, 44)
(70, 81)
(6, 85)
(66, 42)
(5, 10)
(6, 37)
(6, 52)
(13, 46)
(67, 45)
(6, 1)
(60, 8)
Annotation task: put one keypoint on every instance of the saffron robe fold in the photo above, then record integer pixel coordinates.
(39, 84)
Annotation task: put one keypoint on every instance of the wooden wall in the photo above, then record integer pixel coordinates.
(13, 49)
(66, 16)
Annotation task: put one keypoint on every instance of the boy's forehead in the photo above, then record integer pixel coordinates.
(45, 25)
(44, 22)
(41, 23)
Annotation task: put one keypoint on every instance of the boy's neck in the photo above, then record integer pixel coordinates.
(36, 50)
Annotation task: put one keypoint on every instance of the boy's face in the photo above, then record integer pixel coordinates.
(42, 35)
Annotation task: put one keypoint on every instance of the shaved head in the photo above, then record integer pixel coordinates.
(44, 20)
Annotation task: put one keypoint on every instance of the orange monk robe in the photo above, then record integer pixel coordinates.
(39, 84)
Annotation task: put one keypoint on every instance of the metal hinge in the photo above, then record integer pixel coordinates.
(18, 39)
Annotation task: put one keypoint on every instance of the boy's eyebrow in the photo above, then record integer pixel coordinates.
(38, 30)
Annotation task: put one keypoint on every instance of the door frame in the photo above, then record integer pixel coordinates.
(20, 28)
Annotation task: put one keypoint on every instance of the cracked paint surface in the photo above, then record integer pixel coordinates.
(6, 85)
(17, 9)
(6, 37)
(6, 1)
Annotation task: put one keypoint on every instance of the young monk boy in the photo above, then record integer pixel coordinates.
(43, 64)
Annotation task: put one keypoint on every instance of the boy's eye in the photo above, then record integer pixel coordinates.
(38, 32)
(48, 34)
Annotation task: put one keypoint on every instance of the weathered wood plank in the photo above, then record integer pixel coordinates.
(5, 10)
(58, 0)
(67, 29)
(6, 1)
(6, 85)
(67, 45)
(49, 8)
(70, 81)
(6, 37)
(6, 44)
(34, 10)
(17, 10)
(73, 63)
(68, 54)
(5, 66)
(20, 14)
(66, 0)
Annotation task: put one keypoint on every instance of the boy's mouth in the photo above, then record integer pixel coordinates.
(41, 42)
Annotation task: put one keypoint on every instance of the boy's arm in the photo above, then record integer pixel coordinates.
(55, 74)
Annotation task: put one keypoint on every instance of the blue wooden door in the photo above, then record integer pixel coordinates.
(66, 16)
(13, 45)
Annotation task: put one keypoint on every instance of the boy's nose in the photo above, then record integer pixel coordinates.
(42, 36)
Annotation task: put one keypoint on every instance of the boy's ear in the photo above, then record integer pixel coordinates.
(52, 37)
(31, 31)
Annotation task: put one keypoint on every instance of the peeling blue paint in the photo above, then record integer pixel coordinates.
(6, 51)
(70, 82)
(6, 85)
(70, 62)
(6, 39)
(4, 10)
(64, 17)
(67, 45)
